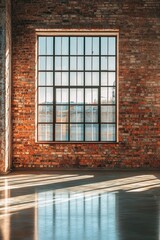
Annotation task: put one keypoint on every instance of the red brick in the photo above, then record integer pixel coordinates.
(139, 89)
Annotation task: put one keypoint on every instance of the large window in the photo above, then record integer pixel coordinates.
(77, 89)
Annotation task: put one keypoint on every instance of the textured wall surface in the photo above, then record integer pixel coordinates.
(2, 85)
(138, 23)
(8, 87)
(5, 85)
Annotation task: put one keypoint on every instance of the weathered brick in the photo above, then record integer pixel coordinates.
(138, 23)
(5, 86)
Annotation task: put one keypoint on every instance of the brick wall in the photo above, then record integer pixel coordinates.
(5, 85)
(2, 91)
(139, 82)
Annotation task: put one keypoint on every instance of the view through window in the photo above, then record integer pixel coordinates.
(77, 89)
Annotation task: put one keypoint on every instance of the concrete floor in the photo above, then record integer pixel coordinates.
(100, 205)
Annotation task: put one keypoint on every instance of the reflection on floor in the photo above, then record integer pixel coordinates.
(82, 206)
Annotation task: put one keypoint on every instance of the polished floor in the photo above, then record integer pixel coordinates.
(100, 205)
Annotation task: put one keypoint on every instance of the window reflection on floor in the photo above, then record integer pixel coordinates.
(76, 216)
(5, 222)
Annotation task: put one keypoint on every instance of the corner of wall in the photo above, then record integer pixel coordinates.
(5, 86)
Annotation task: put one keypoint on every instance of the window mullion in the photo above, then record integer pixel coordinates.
(107, 45)
(69, 94)
(116, 103)
(84, 82)
(54, 93)
(99, 92)
(38, 89)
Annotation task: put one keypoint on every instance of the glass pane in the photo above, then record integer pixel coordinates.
(76, 95)
(76, 113)
(95, 65)
(65, 78)
(49, 78)
(91, 113)
(76, 78)
(65, 65)
(104, 48)
(104, 63)
(88, 79)
(91, 78)
(91, 132)
(76, 45)
(58, 47)
(42, 63)
(95, 78)
(61, 132)
(49, 65)
(45, 114)
(76, 63)
(88, 63)
(91, 45)
(41, 95)
(62, 113)
(41, 78)
(107, 113)
(80, 45)
(49, 95)
(58, 63)
(91, 63)
(80, 65)
(73, 46)
(61, 46)
(111, 79)
(49, 45)
(111, 63)
(104, 78)
(58, 78)
(95, 46)
(42, 45)
(61, 78)
(61, 95)
(112, 45)
(73, 63)
(88, 45)
(45, 95)
(65, 45)
(61, 63)
(107, 95)
(108, 132)
(91, 96)
(108, 78)
(76, 132)
(45, 132)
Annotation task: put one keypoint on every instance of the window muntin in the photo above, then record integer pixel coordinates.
(77, 89)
